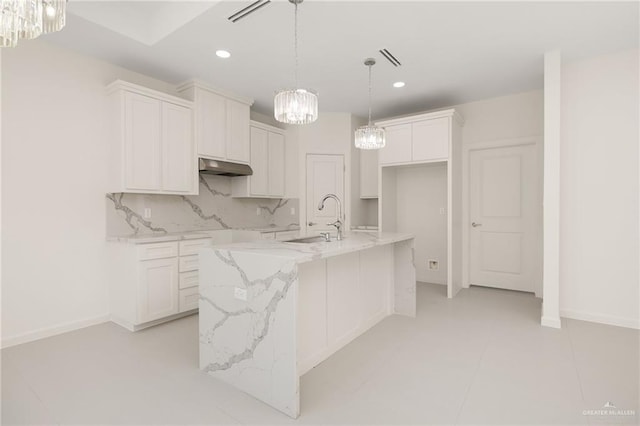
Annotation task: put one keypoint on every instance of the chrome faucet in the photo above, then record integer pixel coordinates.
(338, 223)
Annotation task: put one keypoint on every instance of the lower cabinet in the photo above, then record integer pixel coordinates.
(157, 289)
(153, 282)
(341, 297)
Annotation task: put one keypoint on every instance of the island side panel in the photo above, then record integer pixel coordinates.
(250, 344)
(404, 271)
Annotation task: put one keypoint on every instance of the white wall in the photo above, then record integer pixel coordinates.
(54, 179)
(599, 278)
(506, 117)
(421, 193)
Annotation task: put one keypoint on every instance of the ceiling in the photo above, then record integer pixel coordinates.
(451, 52)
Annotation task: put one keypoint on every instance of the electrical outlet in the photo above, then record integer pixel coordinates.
(258, 210)
(442, 210)
(240, 293)
(433, 264)
(293, 211)
(147, 212)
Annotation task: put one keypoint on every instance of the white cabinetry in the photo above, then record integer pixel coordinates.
(418, 139)
(221, 122)
(153, 282)
(343, 296)
(157, 289)
(267, 162)
(429, 144)
(152, 148)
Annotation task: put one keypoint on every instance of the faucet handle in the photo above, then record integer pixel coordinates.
(327, 236)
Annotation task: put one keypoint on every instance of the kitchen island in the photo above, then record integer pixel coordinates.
(270, 311)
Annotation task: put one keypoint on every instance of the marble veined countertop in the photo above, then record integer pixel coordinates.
(308, 252)
(192, 235)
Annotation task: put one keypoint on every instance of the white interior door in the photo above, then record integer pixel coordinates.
(325, 175)
(503, 195)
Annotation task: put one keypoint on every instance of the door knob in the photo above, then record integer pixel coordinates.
(475, 225)
(311, 223)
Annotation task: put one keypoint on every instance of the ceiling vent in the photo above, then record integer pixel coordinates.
(395, 62)
(243, 13)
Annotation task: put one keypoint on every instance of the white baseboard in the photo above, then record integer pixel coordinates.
(550, 322)
(52, 331)
(601, 319)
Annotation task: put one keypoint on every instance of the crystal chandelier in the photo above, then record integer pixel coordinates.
(296, 106)
(369, 136)
(28, 19)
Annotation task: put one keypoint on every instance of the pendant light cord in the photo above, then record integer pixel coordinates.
(370, 95)
(295, 44)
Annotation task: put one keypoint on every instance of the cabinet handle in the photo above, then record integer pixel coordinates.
(475, 225)
(311, 223)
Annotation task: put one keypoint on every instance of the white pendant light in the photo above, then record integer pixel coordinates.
(28, 19)
(296, 106)
(369, 136)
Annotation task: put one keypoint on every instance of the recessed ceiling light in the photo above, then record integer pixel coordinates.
(223, 54)
(398, 84)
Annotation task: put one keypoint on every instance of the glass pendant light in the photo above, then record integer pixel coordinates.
(369, 136)
(28, 19)
(8, 23)
(296, 106)
(54, 15)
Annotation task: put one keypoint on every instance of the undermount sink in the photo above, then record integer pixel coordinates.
(307, 240)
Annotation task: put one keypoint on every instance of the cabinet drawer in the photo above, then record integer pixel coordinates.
(157, 250)
(189, 279)
(188, 299)
(189, 263)
(190, 247)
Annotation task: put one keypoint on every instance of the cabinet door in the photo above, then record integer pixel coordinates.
(431, 139)
(211, 130)
(276, 165)
(142, 142)
(376, 276)
(259, 161)
(398, 145)
(178, 160)
(312, 319)
(237, 131)
(369, 173)
(157, 289)
(343, 298)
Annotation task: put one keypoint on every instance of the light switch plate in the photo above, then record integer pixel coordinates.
(147, 212)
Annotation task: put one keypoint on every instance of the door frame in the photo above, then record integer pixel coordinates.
(466, 214)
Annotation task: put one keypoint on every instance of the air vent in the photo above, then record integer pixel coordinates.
(394, 61)
(243, 13)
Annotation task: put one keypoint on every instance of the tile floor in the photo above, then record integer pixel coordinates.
(481, 358)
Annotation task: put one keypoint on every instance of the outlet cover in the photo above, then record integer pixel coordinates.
(433, 265)
(147, 213)
(293, 211)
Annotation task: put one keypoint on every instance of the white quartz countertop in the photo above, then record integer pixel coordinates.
(307, 252)
(193, 235)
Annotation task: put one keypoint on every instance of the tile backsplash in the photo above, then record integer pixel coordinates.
(213, 208)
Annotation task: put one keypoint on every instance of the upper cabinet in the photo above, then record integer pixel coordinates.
(420, 138)
(268, 163)
(221, 122)
(152, 150)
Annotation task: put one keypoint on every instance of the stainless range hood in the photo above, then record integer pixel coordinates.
(223, 168)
